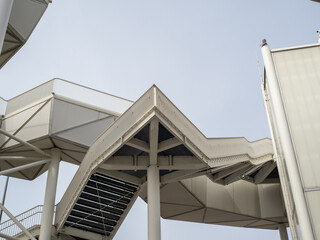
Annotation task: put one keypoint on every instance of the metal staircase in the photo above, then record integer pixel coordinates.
(102, 205)
(100, 209)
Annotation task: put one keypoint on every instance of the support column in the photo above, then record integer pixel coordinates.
(153, 178)
(286, 191)
(4, 196)
(287, 147)
(283, 231)
(5, 10)
(154, 225)
(50, 195)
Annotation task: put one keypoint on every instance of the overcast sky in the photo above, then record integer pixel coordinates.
(202, 54)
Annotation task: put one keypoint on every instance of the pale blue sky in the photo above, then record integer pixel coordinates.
(201, 54)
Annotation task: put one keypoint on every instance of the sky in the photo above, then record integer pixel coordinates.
(204, 55)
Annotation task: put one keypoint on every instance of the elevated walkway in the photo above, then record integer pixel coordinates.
(203, 180)
(227, 181)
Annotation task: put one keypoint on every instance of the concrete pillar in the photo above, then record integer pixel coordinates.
(5, 10)
(154, 225)
(50, 195)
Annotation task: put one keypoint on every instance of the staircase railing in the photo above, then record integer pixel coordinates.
(28, 219)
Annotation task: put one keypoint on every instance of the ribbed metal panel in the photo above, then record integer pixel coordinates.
(101, 204)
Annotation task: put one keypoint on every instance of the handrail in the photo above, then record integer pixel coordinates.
(28, 219)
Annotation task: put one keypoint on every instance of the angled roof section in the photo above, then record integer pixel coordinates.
(133, 125)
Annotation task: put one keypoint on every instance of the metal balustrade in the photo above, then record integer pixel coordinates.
(28, 219)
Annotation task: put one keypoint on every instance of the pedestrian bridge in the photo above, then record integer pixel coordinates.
(125, 150)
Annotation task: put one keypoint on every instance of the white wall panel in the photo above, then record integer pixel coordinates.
(314, 204)
(271, 203)
(102, 100)
(30, 98)
(37, 127)
(67, 115)
(299, 79)
(241, 197)
(298, 72)
(87, 134)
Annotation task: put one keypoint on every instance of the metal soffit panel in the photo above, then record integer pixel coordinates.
(24, 17)
(183, 151)
(70, 152)
(178, 203)
(12, 43)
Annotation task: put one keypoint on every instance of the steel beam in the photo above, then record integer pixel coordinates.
(180, 175)
(168, 144)
(38, 150)
(142, 163)
(8, 158)
(229, 171)
(138, 144)
(82, 234)
(23, 167)
(264, 172)
(237, 175)
(7, 237)
(153, 139)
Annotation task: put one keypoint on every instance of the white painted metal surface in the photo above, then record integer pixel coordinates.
(286, 142)
(25, 15)
(213, 180)
(5, 10)
(153, 177)
(283, 175)
(90, 97)
(283, 232)
(299, 86)
(197, 199)
(3, 105)
(23, 167)
(17, 222)
(60, 113)
(50, 196)
(154, 225)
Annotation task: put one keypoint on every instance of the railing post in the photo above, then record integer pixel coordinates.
(50, 195)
